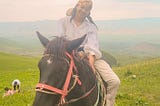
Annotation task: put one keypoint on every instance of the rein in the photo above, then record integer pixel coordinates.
(41, 87)
(63, 92)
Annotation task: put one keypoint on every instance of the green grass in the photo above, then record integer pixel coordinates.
(22, 68)
(143, 90)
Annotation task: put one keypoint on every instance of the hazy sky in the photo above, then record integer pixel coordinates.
(32, 10)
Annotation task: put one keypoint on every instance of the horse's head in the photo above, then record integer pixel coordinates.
(54, 67)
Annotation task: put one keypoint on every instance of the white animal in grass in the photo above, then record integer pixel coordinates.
(16, 84)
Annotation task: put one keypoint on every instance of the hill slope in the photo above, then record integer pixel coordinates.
(140, 91)
(22, 68)
(139, 84)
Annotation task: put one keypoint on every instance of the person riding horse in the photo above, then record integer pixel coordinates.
(79, 22)
(66, 80)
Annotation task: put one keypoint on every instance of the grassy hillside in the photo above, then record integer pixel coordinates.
(140, 91)
(22, 68)
(139, 84)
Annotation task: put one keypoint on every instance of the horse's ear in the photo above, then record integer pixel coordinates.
(43, 40)
(75, 43)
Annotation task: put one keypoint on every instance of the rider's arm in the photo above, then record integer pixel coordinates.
(92, 45)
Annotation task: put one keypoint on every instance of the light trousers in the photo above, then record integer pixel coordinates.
(110, 78)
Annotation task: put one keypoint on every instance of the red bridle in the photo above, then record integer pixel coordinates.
(63, 92)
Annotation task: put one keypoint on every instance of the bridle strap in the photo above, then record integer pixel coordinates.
(68, 78)
(48, 87)
(41, 87)
(64, 91)
(83, 96)
(38, 89)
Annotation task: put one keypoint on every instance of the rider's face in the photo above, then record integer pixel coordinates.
(83, 10)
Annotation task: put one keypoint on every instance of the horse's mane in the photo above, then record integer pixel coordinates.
(54, 66)
(56, 47)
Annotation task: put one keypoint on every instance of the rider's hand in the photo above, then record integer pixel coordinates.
(81, 54)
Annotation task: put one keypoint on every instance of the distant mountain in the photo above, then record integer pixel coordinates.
(138, 26)
(146, 47)
(116, 36)
(16, 29)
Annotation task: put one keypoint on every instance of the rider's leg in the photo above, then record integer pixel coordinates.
(110, 78)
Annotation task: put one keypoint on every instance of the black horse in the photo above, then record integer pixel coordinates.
(65, 79)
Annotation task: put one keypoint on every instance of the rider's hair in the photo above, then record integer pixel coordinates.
(88, 17)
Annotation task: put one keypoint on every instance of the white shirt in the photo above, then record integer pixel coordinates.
(71, 31)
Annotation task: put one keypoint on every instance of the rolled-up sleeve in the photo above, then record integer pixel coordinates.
(92, 43)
